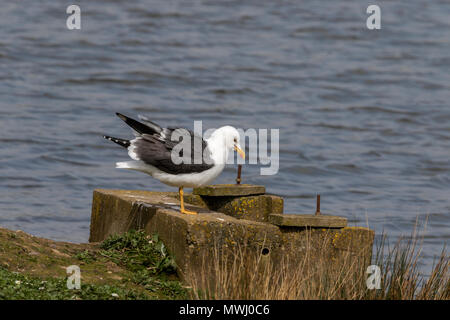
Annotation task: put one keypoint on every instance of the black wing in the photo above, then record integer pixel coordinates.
(148, 128)
(153, 145)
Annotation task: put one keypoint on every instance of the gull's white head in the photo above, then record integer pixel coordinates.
(226, 138)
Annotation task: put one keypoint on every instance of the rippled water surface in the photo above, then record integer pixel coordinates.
(364, 116)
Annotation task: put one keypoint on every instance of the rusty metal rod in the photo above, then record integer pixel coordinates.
(238, 179)
(318, 205)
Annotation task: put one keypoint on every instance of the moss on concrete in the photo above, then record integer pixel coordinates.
(255, 208)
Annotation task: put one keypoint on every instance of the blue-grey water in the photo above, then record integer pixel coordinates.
(364, 116)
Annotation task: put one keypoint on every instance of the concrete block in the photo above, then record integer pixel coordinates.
(307, 220)
(255, 208)
(187, 237)
(246, 206)
(194, 238)
(224, 190)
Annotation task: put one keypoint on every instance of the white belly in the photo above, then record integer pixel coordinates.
(189, 180)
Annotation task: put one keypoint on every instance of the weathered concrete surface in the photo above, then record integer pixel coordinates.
(255, 208)
(117, 211)
(191, 238)
(307, 220)
(229, 190)
(240, 201)
(331, 243)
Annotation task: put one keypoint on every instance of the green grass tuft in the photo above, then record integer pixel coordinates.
(147, 257)
(137, 252)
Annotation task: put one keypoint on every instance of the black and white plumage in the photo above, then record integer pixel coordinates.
(152, 149)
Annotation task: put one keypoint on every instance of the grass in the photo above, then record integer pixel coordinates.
(19, 286)
(129, 266)
(227, 275)
(402, 278)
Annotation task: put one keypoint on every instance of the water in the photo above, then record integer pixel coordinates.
(363, 115)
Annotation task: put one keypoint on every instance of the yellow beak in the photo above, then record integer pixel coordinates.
(239, 150)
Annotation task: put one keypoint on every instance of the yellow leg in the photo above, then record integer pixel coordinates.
(182, 210)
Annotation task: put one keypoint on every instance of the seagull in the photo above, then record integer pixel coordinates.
(152, 152)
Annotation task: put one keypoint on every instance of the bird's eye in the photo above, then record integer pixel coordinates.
(235, 140)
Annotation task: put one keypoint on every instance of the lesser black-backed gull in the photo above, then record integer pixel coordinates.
(151, 151)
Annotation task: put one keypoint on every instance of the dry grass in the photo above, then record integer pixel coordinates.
(243, 274)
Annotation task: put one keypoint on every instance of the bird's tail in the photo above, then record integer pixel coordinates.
(121, 142)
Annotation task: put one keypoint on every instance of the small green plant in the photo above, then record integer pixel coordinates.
(148, 259)
(85, 256)
(138, 251)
